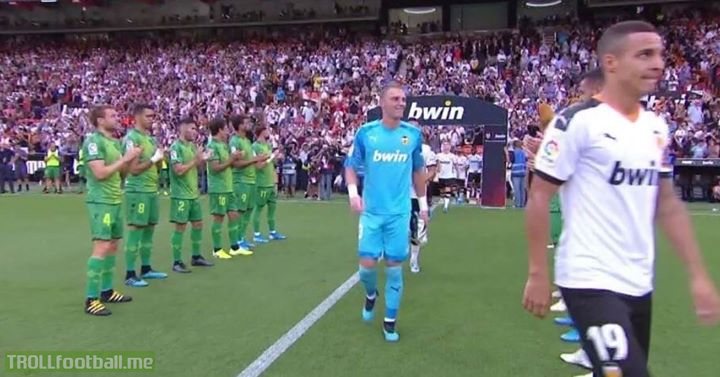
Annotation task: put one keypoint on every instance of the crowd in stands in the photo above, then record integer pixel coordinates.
(315, 89)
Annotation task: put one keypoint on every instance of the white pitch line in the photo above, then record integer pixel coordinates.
(272, 353)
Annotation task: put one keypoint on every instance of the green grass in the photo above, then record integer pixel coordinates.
(460, 317)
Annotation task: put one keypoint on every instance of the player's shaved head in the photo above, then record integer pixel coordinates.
(613, 39)
(390, 85)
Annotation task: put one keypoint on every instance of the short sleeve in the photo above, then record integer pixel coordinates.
(559, 152)
(214, 155)
(431, 159)
(233, 145)
(418, 160)
(356, 154)
(92, 150)
(128, 143)
(176, 156)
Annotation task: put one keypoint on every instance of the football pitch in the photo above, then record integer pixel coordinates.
(461, 316)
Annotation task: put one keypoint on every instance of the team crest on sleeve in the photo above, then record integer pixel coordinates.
(550, 151)
(92, 149)
(130, 144)
(405, 140)
(173, 155)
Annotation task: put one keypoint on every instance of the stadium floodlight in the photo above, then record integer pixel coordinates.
(542, 3)
(419, 10)
(48, 1)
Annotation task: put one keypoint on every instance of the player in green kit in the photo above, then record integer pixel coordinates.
(220, 190)
(244, 174)
(105, 163)
(266, 193)
(185, 157)
(141, 197)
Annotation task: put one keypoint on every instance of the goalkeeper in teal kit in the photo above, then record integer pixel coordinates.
(390, 151)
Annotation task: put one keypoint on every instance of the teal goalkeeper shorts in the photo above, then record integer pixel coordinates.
(384, 235)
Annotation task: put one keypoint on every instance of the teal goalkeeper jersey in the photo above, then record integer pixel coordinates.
(389, 158)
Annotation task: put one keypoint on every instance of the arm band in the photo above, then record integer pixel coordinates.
(422, 202)
(353, 191)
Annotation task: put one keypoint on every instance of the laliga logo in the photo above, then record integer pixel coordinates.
(446, 112)
(551, 148)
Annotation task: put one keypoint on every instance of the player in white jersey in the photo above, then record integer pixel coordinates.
(461, 169)
(446, 173)
(418, 227)
(475, 161)
(608, 158)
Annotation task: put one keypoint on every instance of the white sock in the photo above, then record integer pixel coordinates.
(414, 253)
(446, 201)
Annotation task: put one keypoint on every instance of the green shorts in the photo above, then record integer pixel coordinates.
(141, 208)
(245, 196)
(163, 176)
(52, 172)
(106, 222)
(221, 204)
(184, 210)
(265, 195)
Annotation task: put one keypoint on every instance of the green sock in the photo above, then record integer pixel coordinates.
(196, 240)
(146, 245)
(106, 282)
(233, 231)
(216, 231)
(271, 215)
(257, 212)
(131, 247)
(94, 272)
(245, 222)
(176, 242)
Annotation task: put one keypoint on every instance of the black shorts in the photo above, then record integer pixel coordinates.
(614, 328)
(474, 178)
(445, 183)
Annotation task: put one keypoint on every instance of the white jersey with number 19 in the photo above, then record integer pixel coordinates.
(609, 168)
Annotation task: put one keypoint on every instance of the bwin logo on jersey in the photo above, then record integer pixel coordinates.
(396, 156)
(446, 112)
(634, 177)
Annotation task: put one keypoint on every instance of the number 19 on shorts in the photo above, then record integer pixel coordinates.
(606, 338)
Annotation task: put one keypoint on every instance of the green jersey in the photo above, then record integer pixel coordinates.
(99, 147)
(246, 174)
(183, 186)
(266, 174)
(146, 181)
(219, 182)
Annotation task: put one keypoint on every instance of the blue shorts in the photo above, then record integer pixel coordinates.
(384, 235)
